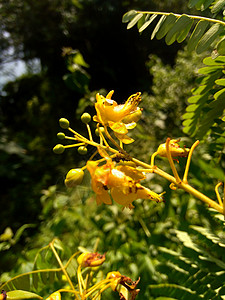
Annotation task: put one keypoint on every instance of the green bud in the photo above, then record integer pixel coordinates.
(61, 135)
(74, 177)
(64, 123)
(101, 129)
(82, 150)
(86, 118)
(58, 149)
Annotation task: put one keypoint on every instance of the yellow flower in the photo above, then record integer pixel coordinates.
(89, 259)
(175, 149)
(119, 117)
(122, 181)
(54, 296)
(127, 289)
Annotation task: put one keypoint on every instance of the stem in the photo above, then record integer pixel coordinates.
(63, 269)
(114, 142)
(189, 161)
(168, 153)
(186, 187)
(217, 193)
(175, 180)
(179, 15)
(89, 132)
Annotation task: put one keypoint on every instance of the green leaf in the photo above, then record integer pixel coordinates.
(208, 38)
(22, 282)
(20, 295)
(185, 32)
(157, 27)
(206, 4)
(35, 279)
(217, 6)
(182, 23)
(221, 46)
(197, 34)
(129, 16)
(199, 5)
(210, 70)
(147, 23)
(134, 21)
(220, 81)
(192, 3)
(219, 60)
(166, 26)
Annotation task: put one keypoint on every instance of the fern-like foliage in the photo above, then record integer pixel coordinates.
(207, 104)
(196, 270)
(45, 271)
(176, 28)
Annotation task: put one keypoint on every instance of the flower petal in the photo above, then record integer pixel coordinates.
(118, 127)
(124, 138)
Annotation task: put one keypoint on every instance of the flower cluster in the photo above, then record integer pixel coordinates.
(115, 176)
(112, 180)
(123, 182)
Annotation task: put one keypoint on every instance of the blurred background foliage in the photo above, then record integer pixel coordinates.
(72, 50)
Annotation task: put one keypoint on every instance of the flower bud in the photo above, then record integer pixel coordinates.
(58, 149)
(74, 177)
(64, 123)
(175, 149)
(82, 150)
(97, 130)
(89, 259)
(61, 135)
(86, 118)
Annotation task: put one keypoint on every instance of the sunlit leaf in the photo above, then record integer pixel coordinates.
(147, 23)
(217, 6)
(134, 21)
(20, 295)
(166, 26)
(208, 38)
(197, 34)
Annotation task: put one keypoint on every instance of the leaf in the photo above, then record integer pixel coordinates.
(157, 27)
(181, 25)
(166, 26)
(35, 280)
(208, 38)
(20, 295)
(220, 81)
(220, 60)
(185, 32)
(217, 6)
(134, 21)
(129, 16)
(197, 34)
(22, 282)
(221, 46)
(147, 23)
(192, 3)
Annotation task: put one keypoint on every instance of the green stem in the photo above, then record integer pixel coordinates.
(63, 268)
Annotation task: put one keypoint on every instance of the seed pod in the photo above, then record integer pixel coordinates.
(74, 177)
(64, 123)
(86, 118)
(58, 149)
(61, 135)
(82, 150)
